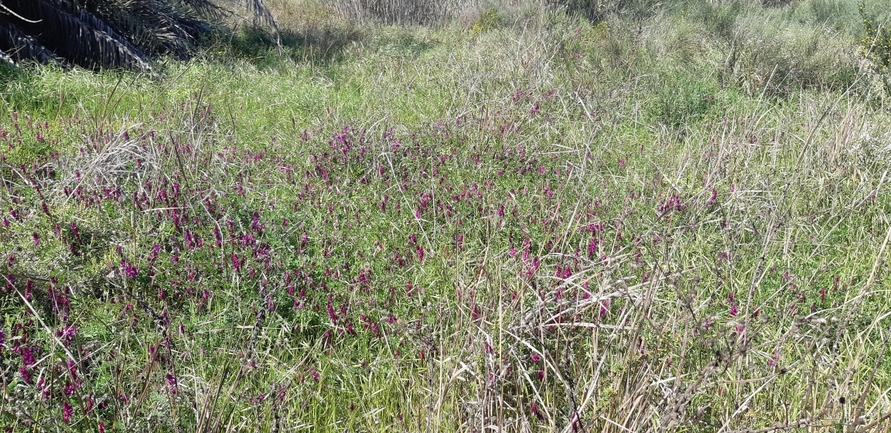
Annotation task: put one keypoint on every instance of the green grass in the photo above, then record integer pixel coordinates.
(670, 222)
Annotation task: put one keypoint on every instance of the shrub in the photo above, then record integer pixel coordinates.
(600, 10)
(680, 101)
(774, 56)
(834, 13)
(875, 48)
(488, 20)
(392, 12)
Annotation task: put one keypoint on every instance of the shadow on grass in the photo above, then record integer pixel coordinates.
(263, 48)
(317, 45)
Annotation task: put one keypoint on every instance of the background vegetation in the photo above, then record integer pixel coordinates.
(575, 216)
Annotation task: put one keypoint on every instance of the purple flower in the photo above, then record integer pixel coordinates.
(236, 263)
(72, 369)
(256, 226)
(534, 408)
(331, 314)
(67, 411)
(26, 376)
(713, 198)
(28, 358)
(129, 270)
(592, 247)
(66, 334)
(190, 243)
(171, 381)
(156, 249)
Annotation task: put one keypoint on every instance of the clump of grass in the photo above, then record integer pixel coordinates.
(875, 48)
(597, 11)
(393, 12)
(488, 20)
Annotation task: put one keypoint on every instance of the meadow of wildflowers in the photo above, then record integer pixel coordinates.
(540, 225)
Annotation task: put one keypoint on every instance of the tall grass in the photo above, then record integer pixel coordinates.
(545, 224)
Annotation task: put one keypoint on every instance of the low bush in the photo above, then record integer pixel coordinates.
(875, 48)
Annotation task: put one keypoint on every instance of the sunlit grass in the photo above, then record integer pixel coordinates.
(548, 225)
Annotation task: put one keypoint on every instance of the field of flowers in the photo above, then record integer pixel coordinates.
(675, 222)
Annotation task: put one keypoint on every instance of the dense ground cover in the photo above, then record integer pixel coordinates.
(669, 221)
